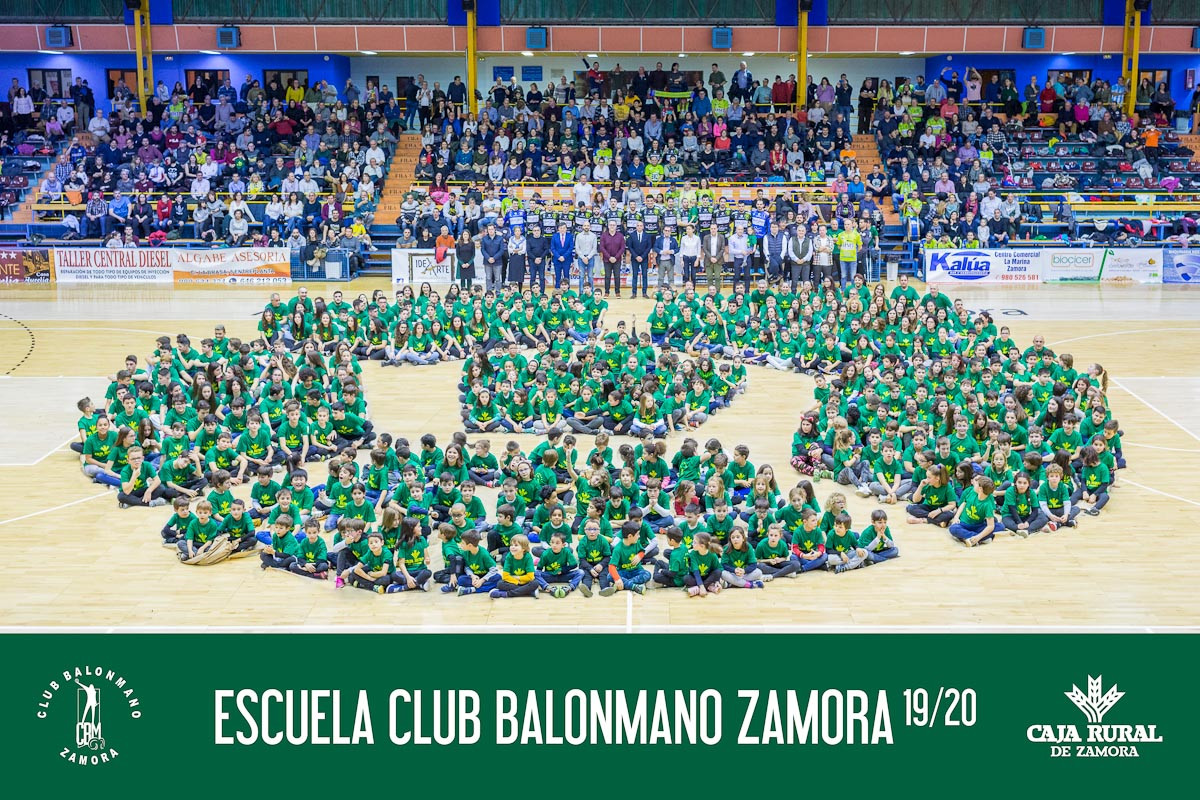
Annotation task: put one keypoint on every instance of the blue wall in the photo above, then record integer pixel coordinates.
(93, 66)
(1108, 68)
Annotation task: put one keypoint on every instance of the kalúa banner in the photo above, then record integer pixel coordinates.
(1091, 264)
(1013, 266)
(26, 265)
(100, 713)
(243, 266)
(1181, 266)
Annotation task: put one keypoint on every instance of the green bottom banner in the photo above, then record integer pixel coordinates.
(180, 715)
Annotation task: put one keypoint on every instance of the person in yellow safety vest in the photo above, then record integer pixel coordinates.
(849, 242)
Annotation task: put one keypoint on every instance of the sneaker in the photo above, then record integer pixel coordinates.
(536, 593)
(424, 587)
(716, 588)
(639, 588)
(495, 594)
(840, 568)
(585, 590)
(463, 591)
(793, 575)
(862, 491)
(158, 501)
(395, 587)
(693, 591)
(1051, 526)
(1091, 512)
(337, 584)
(559, 592)
(768, 578)
(122, 505)
(381, 589)
(448, 588)
(324, 576)
(608, 591)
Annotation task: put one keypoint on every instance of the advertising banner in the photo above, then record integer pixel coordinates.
(26, 265)
(91, 714)
(1181, 266)
(104, 265)
(1110, 264)
(1018, 265)
(421, 266)
(241, 266)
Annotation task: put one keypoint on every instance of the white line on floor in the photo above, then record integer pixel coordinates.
(1157, 447)
(1116, 333)
(54, 508)
(1156, 409)
(97, 328)
(741, 628)
(1157, 491)
(629, 612)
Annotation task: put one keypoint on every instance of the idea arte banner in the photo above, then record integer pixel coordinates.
(238, 266)
(1018, 265)
(1109, 264)
(26, 265)
(105, 265)
(422, 266)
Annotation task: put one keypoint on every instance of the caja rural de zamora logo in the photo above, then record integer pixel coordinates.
(1095, 739)
(102, 696)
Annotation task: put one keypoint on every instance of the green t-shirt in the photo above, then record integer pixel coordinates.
(976, 510)
(704, 564)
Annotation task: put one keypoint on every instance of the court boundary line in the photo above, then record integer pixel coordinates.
(1159, 491)
(54, 508)
(1115, 333)
(607, 628)
(74, 438)
(1155, 409)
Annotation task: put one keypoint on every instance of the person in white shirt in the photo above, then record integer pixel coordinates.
(98, 127)
(689, 254)
(200, 187)
(740, 252)
(587, 247)
(583, 192)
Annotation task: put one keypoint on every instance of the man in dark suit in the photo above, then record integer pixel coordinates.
(639, 243)
(562, 253)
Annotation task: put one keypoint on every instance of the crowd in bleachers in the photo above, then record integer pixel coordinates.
(214, 163)
(958, 155)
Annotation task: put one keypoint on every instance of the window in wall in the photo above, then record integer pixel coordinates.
(127, 75)
(210, 79)
(985, 75)
(402, 84)
(1067, 76)
(1155, 76)
(284, 77)
(55, 82)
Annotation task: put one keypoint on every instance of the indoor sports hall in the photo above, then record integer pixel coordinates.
(545, 182)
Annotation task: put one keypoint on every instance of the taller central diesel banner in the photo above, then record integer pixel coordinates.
(246, 266)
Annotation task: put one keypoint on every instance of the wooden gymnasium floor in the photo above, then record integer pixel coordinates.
(77, 560)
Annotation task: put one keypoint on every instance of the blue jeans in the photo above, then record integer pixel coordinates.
(961, 530)
(848, 268)
(572, 577)
(633, 577)
(586, 267)
(816, 563)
